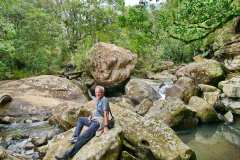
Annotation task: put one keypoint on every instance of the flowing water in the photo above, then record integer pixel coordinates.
(214, 141)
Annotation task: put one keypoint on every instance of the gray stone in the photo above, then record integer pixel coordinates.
(204, 111)
(106, 146)
(173, 112)
(205, 72)
(138, 89)
(232, 105)
(144, 106)
(229, 117)
(231, 87)
(184, 88)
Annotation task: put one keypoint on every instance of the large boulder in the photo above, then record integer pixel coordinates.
(184, 88)
(152, 135)
(210, 93)
(207, 71)
(40, 95)
(173, 112)
(110, 64)
(67, 118)
(104, 147)
(148, 134)
(205, 111)
(231, 87)
(138, 89)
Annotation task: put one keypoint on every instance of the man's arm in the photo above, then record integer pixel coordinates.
(106, 114)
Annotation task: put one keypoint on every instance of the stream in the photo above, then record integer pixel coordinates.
(214, 141)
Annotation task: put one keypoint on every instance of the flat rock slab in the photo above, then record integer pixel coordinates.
(39, 95)
(105, 147)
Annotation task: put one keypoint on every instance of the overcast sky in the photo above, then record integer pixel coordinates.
(131, 2)
(134, 2)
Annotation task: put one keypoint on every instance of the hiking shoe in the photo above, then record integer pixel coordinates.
(65, 156)
(73, 140)
(5, 99)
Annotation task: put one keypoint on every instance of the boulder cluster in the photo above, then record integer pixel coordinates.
(148, 112)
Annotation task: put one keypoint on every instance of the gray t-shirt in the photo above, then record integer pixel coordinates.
(101, 106)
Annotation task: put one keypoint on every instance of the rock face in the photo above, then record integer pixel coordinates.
(105, 147)
(209, 93)
(39, 95)
(204, 110)
(230, 52)
(231, 88)
(110, 64)
(68, 117)
(173, 112)
(208, 71)
(147, 134)
(184, 88)
(162, 76)
(138, 89)
(144, 106)
(152, 135)
(232, 105)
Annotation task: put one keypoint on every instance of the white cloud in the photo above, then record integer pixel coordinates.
(131, 2)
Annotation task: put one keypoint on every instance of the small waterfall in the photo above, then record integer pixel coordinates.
(163, 87)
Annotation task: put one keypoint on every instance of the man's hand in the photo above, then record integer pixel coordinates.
(105, 130)
(90, 117)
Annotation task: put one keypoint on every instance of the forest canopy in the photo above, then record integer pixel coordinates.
(40, 37)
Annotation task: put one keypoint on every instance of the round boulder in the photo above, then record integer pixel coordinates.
(110, 64)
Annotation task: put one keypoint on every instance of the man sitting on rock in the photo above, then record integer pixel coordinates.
(97, 122)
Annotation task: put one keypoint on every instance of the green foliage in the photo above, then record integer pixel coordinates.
(39, 37)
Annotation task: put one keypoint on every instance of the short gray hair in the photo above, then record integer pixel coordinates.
(101, 88)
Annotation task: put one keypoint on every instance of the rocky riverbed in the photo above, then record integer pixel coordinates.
(163, 117)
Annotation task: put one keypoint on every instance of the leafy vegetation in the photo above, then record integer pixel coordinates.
(40, 37)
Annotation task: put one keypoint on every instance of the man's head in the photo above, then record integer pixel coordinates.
(99, 92)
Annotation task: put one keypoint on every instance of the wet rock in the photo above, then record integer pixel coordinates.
(8, 155)
(138, 89)
(28, 146)
(106, 146)
(206, 72)
(7, 120)
(29, 152)
(173, 112)
(110, 64)
(39, 141)
(204, 111)
(229, 117)
(144, 106)
(232, 105)
(184, 88)
(231, 87)
(28, 121)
